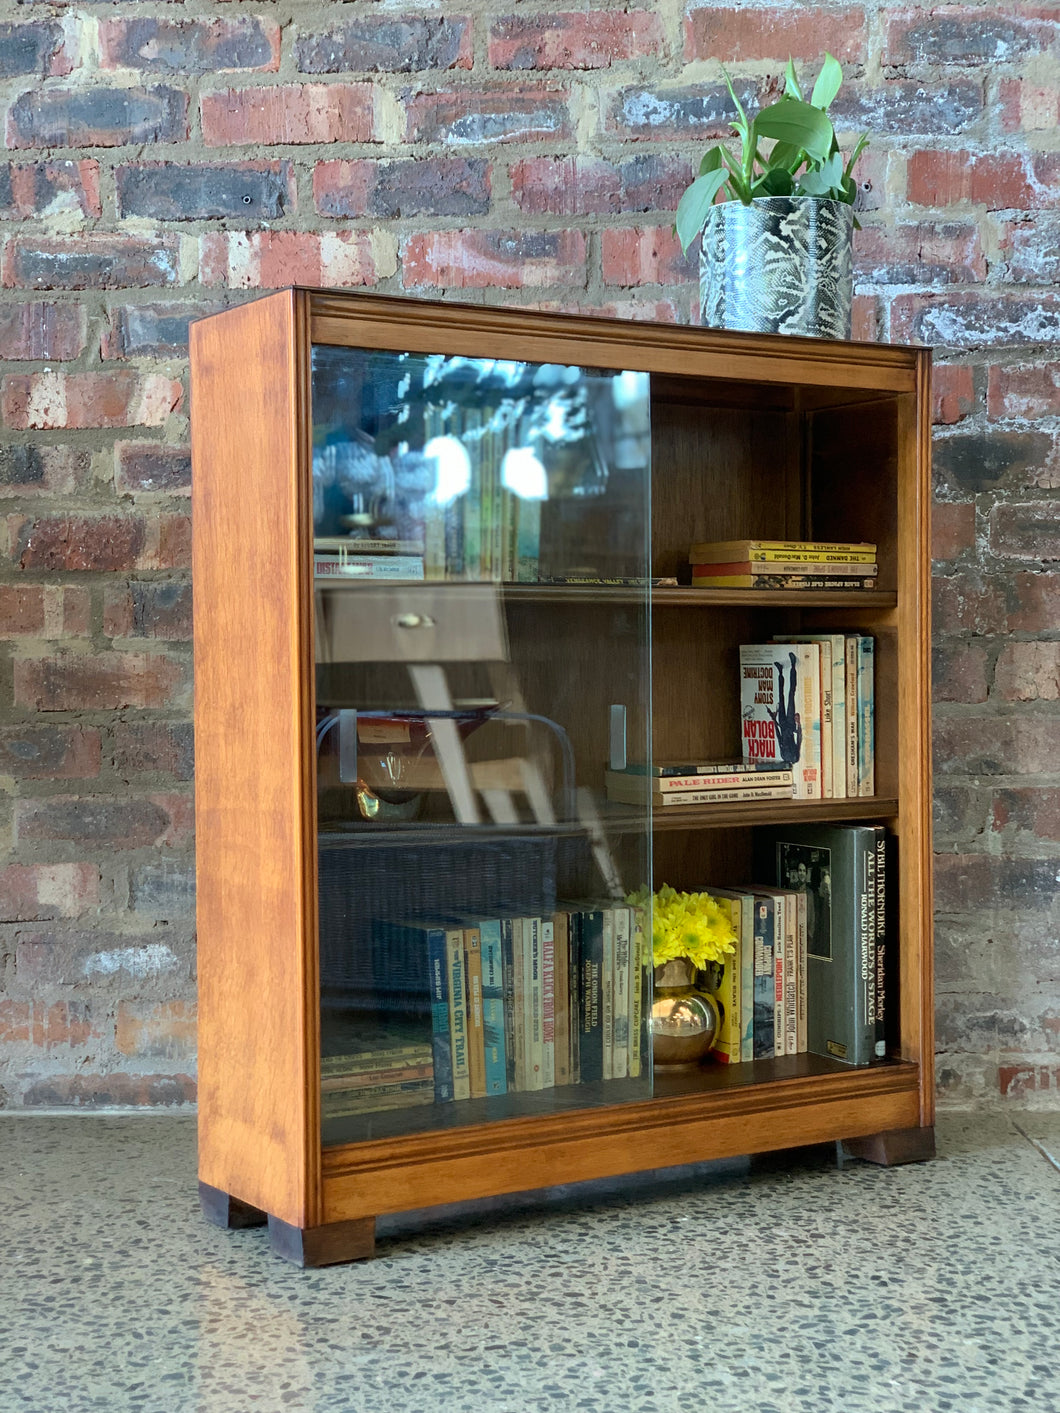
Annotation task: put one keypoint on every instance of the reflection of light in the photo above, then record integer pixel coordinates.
(556, 424)
(454, 469)
(523, 474)
(628, 388)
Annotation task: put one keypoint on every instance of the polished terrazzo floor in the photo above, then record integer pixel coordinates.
(793, 1286)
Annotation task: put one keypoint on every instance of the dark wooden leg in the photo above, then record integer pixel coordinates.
(899, 1145)
(224, 1210)
(328, 1245)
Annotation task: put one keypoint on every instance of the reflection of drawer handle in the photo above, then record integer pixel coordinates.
(414, 620)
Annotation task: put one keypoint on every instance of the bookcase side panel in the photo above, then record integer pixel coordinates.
(257, 965)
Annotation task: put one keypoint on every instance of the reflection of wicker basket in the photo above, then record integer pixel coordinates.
(364, 884)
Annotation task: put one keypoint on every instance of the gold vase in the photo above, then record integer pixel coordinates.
(684, 1020)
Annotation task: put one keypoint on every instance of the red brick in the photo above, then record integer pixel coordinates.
(644, 255)
(125, 822)
(1032, 809)
(50, 752)
(1026, 531)
(498, 259)
(43, 49)
(154, 748)
(959, 670)
(32, 189)
(439, 186)
(1019, 1081)
(153, 330)
(587, 40)
(274, 259)
(36, 892)
(865, 318)
(43, 610)
(465, 117)
(971, 882)
(28, 470)
(1029, 390)
(288, 113)
(924, 253)
(393, 44)
(680, 114)
(660, 311)
(148, 610)
(189, 46)
(41, 330)
(97, 116)
(996, 745)
(47, 401)
(46, 1026)
(1028, 672)
(952, 529)
(999, 181)
(968, 35)
(206, 191)
(733, 35)
(156, 1029)
(100, 542)
(104, 1091)
(997, 460)
(147, 467)
(952, 393)
(579, 186)
(909, 107)
(1030, 249)
(1028, 106)
(1021, 602)
(975, 318)
(101, 681)
(95, 261)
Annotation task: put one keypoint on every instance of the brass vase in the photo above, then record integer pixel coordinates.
(684, 1020)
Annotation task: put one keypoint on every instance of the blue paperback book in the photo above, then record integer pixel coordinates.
(493, 1006)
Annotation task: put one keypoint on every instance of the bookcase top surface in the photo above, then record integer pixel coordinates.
(358, 319)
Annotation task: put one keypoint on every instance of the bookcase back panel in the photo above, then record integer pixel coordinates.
(853, 480)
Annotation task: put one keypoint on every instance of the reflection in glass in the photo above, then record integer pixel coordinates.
(478, 958)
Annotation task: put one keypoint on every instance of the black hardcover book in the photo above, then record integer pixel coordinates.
(835, 866)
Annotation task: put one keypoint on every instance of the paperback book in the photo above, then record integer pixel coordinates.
(780, 710)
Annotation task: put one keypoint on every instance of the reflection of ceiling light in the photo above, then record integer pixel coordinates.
(556, 421)
(454, 469)
(628, 388)
(523, 474)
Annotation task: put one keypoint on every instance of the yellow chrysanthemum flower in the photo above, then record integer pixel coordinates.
(690, 925)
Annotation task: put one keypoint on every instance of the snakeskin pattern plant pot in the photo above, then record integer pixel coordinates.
(783, 265)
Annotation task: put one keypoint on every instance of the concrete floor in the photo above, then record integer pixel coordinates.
(788, 1287)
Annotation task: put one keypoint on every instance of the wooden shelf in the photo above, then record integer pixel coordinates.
(748, 812)
(661, 596)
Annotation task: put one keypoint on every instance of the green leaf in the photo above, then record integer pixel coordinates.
(791, 82)
(786, 155)
(711, 161)
(828, 82)
(694, 206)
(859, 147)
(775, 182)
(740, 188)
(825, 180)
(742, 126)
(790, 120)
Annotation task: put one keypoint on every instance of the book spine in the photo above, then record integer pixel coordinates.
(865, 982)
(882, 961)
(441, 1040)
(781, 549)
(476, 1040)
(574, 955)
(371, 1079)
(822, 567)
(782, 581)
(736, 767)
(454, 946)
(726, 1046)
(591, 1047)
(607, 993)
(528, 542)
(803, 945)
(620, 1022)
(535, 1074)
(719, 797)
(866, 716)
(511, 954)
(839, 717)
(637, 972)
(850, 657)
(639, 786)
(765, 979)
(368, 566)
(791, 973)
(434, 543)
(392, 1058)
(561, 1000)
(779, 974)
(548, 1004)
(825, 686)
(808, 784)
(493, 1008)
(747, 978)
(521, 1008)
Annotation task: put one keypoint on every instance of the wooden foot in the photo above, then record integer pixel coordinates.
(323, 1246)
(899, 1145)
(224, 1210)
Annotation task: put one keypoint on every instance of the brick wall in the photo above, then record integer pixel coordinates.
(162, 159)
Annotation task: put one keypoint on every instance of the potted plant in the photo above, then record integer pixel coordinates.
(777, 225)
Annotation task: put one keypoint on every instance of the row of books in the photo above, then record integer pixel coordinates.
(510, 1004)
(783, 564)
(669, 783)
(808, 701)
(810, 972)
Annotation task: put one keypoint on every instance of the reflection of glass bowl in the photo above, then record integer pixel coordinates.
(375, 804)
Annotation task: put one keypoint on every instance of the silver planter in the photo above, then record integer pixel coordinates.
(783, 265)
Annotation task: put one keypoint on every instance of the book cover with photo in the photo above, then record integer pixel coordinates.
(780, 710)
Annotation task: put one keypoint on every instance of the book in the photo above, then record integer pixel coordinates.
(534, 997)
(367, 566)
(574, 982)
(695, 769)
(512, 961)
(638, 965)
(370, 1062)
(801, 954)
(866, 690)
(548, 1004)
(833, 767)
(457, 1001)
(590, 1000)
(442, 1046)
(850, 670)
(493, 1007)
(745, 902)
(476, 1038)
(372, 1079)
(344, 1105)
(708, 797)
(607, 992)
(781, 581)
(781, 712)
(635, 789)
(561, 996)
(884, 968)
(832, 864)
(724, 978)
(713, 551)
(621, 1003)
(335, 544)
(764, 976)
(818, 568)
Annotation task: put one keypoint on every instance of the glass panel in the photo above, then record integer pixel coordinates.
(481, 548)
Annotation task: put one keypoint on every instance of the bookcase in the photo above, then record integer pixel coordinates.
(373, 749)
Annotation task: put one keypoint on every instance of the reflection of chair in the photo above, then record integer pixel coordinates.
(426, 626)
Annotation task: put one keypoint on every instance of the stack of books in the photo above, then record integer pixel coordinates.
(669, 783)
(783, 564)
(339, 557)
(381, 1068)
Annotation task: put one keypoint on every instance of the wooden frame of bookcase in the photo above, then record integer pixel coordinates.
(259, 1067)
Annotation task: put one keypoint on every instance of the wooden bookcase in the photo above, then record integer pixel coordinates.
(750, 435)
